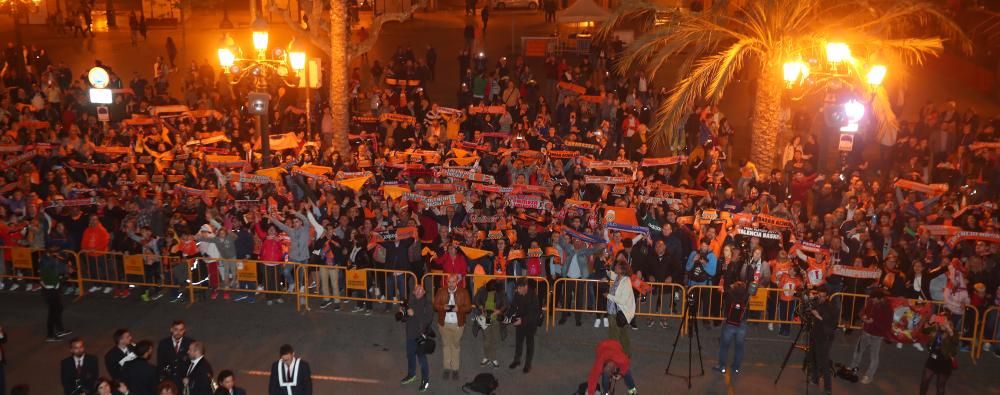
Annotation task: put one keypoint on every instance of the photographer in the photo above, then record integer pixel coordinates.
(611, 363)
(877, 318)
(51, 269)
(943, 348)
(491, 304)
(417, 315)
(700, 268)
(824, 314)
(525, 312)
(736, 299)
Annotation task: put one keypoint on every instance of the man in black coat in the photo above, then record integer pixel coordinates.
(79, 371)
(198, 376)
(227, 384)
(290, 375)
(114, 358)
(139, 375)
(527, 309)
(172, 354)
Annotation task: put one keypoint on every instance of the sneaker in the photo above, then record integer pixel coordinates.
(64, 333)
(357, 309)
(240, 298)
(107, 290)
(719, 369)
(69, 291)
(327, 304)
(144, 297)
(424, 386)
(495, 364)
(964, 348)
(446, 375)
(597, 323)
(527, 369)
(770, 327)
(157, 296)
(336, 306)
(921, 348)
(407, 380)
(866, 380)
(633, 325)
(14, 287)
(90, 291)
(51, 340)
(605, 322)
(484, 362)
(270, 302)
(899, 346)
(178, 298)
(225, 296)
(368, 311)
(125, 293)
(515, 364)
(454, 375)
(986, 346)
(633, 391)
(214, 295)
(251, 299)
(664, 324)
(736, 371)
(2, 285)
(280, 300)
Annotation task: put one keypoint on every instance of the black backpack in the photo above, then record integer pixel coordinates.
(483, 383)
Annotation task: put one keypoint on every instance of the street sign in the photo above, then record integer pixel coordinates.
(98, 77)
(100, 96)
(846, 142)
(102, 114)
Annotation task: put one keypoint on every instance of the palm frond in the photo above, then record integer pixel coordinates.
(629, 12)
(906, 18)
(730, 63)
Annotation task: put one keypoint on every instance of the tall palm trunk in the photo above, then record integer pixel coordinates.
(766, 118)
(339, 89)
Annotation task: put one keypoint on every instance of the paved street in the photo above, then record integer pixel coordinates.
(355, 354)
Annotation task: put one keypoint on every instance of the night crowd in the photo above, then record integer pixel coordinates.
(545, 173)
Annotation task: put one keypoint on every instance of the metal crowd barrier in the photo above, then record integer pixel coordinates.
(365, 286)
(119, 270)
(989, 330)
(20, 264)
(273, 279)
(431, 281)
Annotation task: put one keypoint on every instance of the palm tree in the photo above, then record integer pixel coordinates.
(716, 44)
(338, 46)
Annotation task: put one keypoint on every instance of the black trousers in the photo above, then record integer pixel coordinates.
(525, 334)
(820, 351)
(3, 380)
(53, 301)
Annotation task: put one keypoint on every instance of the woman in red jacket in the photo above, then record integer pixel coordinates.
(453, 262)
(270, 254)
(611, 362)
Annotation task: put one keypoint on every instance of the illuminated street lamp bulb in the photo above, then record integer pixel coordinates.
(226, 58)
(837, 52)
(297, 60)
(876, 75)
(259, 28)
(795, 71)
(854, 111)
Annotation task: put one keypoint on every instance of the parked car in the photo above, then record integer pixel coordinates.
(504, 4)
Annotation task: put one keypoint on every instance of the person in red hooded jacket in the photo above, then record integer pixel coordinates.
(611, 361)
(96, 241)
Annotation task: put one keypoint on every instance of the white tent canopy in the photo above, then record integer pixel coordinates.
(583, 11)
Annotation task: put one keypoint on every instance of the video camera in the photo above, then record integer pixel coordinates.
(807, 303)
(401, 315)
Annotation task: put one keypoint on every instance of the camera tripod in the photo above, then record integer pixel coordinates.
(690, 321)
(805, 328)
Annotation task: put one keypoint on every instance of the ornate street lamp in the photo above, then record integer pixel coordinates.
(17, 8)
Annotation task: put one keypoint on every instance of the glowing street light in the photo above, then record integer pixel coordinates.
(876, 74)
(795, 71)
(259, 28)
(296, 56)
(226, 58)
(838, 52)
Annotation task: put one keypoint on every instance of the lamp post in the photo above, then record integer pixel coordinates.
(288, 66)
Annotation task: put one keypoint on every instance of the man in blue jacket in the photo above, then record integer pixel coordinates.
(700, 269)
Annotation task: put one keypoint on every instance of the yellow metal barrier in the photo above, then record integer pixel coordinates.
(119, 270)
(767, 306)
(365, 286)
(989, 330)
(273, 279)
(21, 263)
(473, 281)
(664, 300)
(574, 295)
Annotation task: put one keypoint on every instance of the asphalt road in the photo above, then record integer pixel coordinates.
(358, 354)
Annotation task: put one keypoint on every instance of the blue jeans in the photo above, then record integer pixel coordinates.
(606, 381)
(731, 334)
(411, 361)
(396, 286)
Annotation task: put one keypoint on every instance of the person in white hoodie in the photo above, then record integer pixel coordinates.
(206, 246)
(620, 300)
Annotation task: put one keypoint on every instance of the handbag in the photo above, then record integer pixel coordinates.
(425, 343)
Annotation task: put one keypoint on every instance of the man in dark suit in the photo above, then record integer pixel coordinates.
(198, 376)
(114, 359)
(172, 354)
(79, 371)
(138, 374)
(290, 375)
(227, 384)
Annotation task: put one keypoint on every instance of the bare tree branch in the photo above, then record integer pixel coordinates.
(318, 41)
(376, 28)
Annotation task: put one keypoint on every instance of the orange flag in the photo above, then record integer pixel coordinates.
(284, 141)
(354, 183)
(473, 253)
